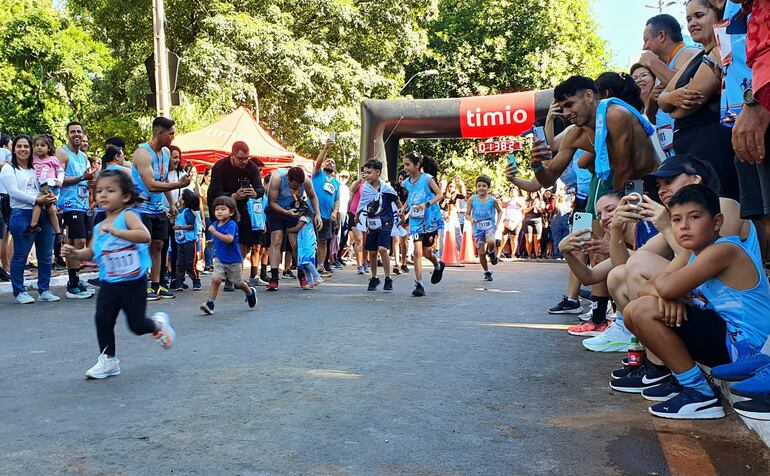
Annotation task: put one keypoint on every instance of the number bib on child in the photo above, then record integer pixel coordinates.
(374, 223)
(329, 187)
(122, 262)
(483, 225)
(417, 212)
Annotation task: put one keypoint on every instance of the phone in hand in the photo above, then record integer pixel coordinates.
(582, 222)
(539, 133)
(244, 183)
(333, 136)
(188, 168)
(511, 159)
(635, 189)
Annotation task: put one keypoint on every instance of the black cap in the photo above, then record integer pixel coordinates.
(681, 164)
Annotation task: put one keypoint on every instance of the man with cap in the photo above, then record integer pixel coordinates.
(239, 178)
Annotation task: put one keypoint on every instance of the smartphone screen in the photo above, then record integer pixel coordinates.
(634, 188)
(582, 222)
(511, 158)
(333, 136)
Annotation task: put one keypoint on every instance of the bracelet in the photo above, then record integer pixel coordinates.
(540, 167)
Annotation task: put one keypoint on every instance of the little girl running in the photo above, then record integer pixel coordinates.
(307, 246)
(49, 173)
(120, 245)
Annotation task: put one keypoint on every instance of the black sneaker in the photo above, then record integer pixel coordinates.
(492, 257)
(566, 306)
(668, 389)
(252, 297)
(4, 276)
(418, 291)
(404, 268)
(388, 284)
(690, 404)
(373, 283)
(207, 308)
(288, 275)
(624, 361)
(585, 294)
(487, 275)
(438, 273)
(621, 372)
(645, 376)
(164, 293)
(756, 408)
(229, 287)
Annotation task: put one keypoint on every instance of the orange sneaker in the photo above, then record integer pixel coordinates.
(588, 329)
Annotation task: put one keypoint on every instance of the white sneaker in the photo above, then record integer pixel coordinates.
(617, 338)
(105, 367)
(48, 296)
(586, 316)
(24, 298)
(166, 334)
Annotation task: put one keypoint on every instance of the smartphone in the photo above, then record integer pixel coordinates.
(539, 133)
(333, 136)
(634, 188)
(582, 222)
(188, 168)
(244, 183)
(511, 158)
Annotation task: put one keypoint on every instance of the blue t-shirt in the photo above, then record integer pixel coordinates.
(227, 253)
(327, 189)
(643, 232)
(737, 74)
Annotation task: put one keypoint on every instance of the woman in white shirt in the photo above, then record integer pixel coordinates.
(24, 191)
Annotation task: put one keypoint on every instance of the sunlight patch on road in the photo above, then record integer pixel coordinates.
(501, 291)
(340, 374)
(524, 325)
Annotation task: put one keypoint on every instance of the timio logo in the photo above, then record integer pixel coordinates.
(498, 115)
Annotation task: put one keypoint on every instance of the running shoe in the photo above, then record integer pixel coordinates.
(325, 273)
(616, 338)
(48, 296)
(272, 286)
(303, 281)
(366, 268)
(690, 404)
(405, 268)
(24, 298)
(229, 287)
(257, 282)
(152, 295)
(624, 362)
(207, 308)
(373, 283)
(438, 273)
(756, 408)
(77, 292)
(288, 275)
(589, 329)
(396, 270)
(566, 306)
(164, 333)
(164, 293)
(639, 378)
(106, 366)
(621, 372)
(743, 368)
(587, 316)
(360, 270)
(388, 284)
(338, 265)
(84, 287)
(197, 286)
(176, 287)
(666, 390)
(252, 297)
(487, 275)
(492, 257)
(756, 386)
(418, 290)
(4, 276)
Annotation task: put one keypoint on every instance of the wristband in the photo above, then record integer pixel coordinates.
(540, 167)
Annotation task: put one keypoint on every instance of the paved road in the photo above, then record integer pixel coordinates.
(340, 381)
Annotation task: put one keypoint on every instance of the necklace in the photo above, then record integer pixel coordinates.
(591, 142)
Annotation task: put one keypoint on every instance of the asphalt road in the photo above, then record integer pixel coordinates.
(475, 378)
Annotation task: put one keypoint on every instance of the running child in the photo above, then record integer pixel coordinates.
(120, 245)
(228, 261)
(485, 214)
(49, 174)
(187, 228)
(307, 248)
(376, 210)
(708, 306)
(425, 220)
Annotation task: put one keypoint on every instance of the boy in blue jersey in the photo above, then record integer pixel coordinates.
(485, 214)
(708, 305)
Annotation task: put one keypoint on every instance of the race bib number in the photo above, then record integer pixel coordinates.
(417, 212)
(257, 207)
(82, 191)
(483, 225)
(666, 137)
(330, 188)
(374, 223)
(179, 235)
(122, 262)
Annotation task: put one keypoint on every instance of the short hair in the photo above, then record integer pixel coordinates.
(229, 203)
(72, 123)
(484, 179)
(613, 194)
(698, 194)
(110, 153)
(573, 86)
(191, 200)
(116, 141)
(667, 24)
(621, 86)
(161, 123)
(5, 139)
(296, 174)
(373, 164)
(240, 146)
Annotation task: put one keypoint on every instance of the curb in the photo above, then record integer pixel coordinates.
(31, 283)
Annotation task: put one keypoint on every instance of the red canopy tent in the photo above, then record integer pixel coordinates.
(206, 146)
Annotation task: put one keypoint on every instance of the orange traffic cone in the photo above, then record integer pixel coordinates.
(449, 254)
(468, 249)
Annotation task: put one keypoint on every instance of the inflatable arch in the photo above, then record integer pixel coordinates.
(385, 122)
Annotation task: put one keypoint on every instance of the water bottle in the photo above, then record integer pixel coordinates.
(635, 353)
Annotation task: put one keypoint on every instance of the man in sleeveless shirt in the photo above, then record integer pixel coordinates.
(149, 170)
(74, 202)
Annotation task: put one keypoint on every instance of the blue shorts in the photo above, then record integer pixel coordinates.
(377, 239)
(480, 237)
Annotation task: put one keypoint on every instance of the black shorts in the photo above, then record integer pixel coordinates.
(377, 239)
(257, 237)
(246, 236)
(427, 239)
(75, 223)
(704, 334)
(327, 231)
(754, 183)
(157, 225)
(279, 222)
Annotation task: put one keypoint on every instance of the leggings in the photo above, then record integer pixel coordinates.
(131, 298)
(310, 272)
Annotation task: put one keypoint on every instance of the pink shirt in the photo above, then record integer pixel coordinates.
(47, 170)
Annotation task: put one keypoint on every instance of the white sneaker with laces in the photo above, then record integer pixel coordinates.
(24, 298)
(165, 333)
(106, 366)
(616, 338)
(48, 296)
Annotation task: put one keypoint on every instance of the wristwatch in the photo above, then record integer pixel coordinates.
(748, 97)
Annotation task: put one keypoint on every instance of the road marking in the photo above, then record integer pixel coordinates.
(523, 325)
(340, 374)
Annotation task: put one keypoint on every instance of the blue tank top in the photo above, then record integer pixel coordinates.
(120, 260)
(74, 197)
(664, 123)
(256, 208)
(285, 195)
(744, 311)
(153, 201)
(483, 213)
(422, 221)
(737, 74)
(582, 177)
(184, 218)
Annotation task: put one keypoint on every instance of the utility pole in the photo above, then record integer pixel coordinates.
(162, 83)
